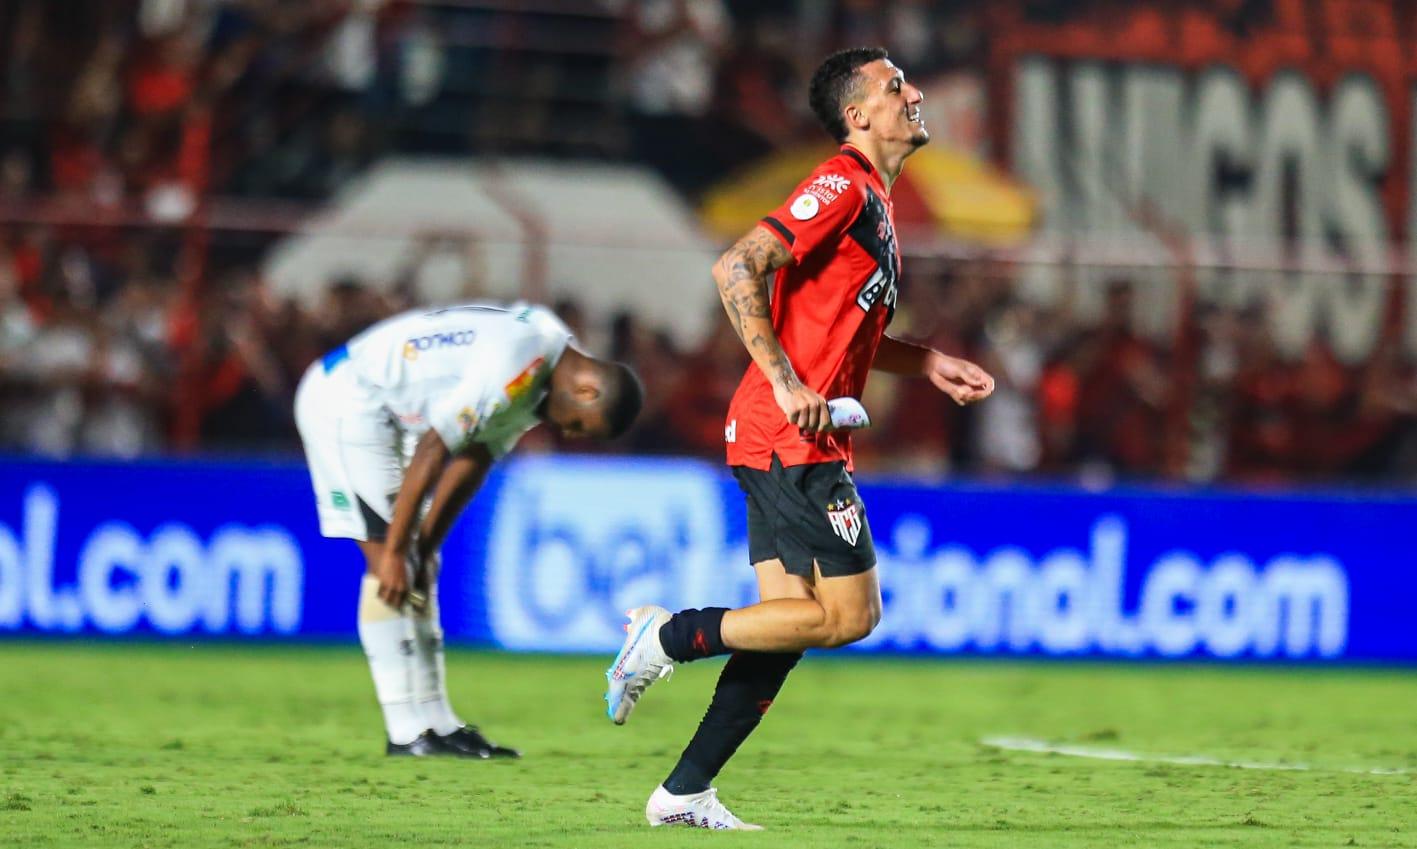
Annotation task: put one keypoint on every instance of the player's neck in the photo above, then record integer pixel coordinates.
(568, 369)
(887, 165)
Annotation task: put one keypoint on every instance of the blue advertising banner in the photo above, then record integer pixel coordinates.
(555, 549)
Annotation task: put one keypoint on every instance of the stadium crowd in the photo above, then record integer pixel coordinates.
(128, 329)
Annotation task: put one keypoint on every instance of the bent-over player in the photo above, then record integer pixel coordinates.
(828, 257)
(400, 426)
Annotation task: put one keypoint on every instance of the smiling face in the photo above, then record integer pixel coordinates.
(887, 107)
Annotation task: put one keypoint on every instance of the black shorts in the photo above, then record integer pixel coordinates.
(805, 514)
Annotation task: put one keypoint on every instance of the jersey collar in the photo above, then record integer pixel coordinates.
(854, 153)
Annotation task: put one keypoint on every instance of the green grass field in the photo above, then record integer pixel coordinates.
(197, 746)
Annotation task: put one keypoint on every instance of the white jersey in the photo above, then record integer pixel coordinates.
(475, 373)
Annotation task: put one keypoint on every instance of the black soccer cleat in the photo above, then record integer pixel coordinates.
(468, 742)
(424, 745)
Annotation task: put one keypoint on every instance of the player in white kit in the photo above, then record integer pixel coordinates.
(400, 426)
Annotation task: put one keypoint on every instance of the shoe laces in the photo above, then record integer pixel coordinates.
(711, 802)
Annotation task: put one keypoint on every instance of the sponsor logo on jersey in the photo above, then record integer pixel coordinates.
(845, 518)
(805, 207)
(466, 419)
(875, 234)
(828, 187)
(433, 341)
(730, 431)
(339, 500)
(523, 382)
(877, 285)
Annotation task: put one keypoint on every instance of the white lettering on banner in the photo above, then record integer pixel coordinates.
(173, 579)
(1070, 601)
(574, 545)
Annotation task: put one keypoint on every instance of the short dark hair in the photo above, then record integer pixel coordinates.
(624, 396)
(834, 85)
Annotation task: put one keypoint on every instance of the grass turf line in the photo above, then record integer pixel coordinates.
(161, 745)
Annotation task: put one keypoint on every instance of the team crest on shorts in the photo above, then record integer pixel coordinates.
(845, 518)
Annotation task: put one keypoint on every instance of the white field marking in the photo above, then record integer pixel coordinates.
(1029, 744)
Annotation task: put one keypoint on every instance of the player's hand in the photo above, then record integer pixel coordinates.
(962, 380)
(393, 579)
(804, 408)
(424, 571)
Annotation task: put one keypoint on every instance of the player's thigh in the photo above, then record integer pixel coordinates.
(854, 599)
(353, 455)
(830, 521)
(774, 581)
(370, 451)
(799, 517)
(818, 520)
(319, 428)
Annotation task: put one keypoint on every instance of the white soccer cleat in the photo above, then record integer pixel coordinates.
(696, 810)
(640, 663)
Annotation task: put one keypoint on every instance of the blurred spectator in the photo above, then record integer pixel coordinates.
(1261, 433)
(123, 416)
(1008, 435)
(673, 49)
(757, 102)
(1124, 390)
(348, 308)
(696, 393)
(234, 391)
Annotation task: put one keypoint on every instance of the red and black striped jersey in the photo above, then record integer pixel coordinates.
(829, 308)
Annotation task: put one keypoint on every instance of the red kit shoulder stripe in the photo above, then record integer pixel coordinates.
(778, 226)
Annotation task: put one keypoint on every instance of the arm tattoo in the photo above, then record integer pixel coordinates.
(743, 277)
(743, 287)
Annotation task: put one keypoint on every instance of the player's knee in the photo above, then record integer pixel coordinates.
(853, 625)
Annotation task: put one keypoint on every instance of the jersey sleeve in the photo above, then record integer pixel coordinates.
(817, 213)
(492, 405)
(460, 415)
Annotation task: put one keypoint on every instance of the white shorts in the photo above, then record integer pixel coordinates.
(356, 452)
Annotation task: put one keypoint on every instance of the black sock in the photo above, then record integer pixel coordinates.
(746, 688)
(692, 634)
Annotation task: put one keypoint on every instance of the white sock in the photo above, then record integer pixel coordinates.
(387, 637)
(430, 691)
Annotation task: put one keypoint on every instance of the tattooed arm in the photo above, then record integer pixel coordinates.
(742, 275)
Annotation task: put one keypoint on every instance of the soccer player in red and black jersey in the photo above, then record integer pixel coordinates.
(810, 291)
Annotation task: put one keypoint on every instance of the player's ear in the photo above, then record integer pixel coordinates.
(856, 117)
(587, 392)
